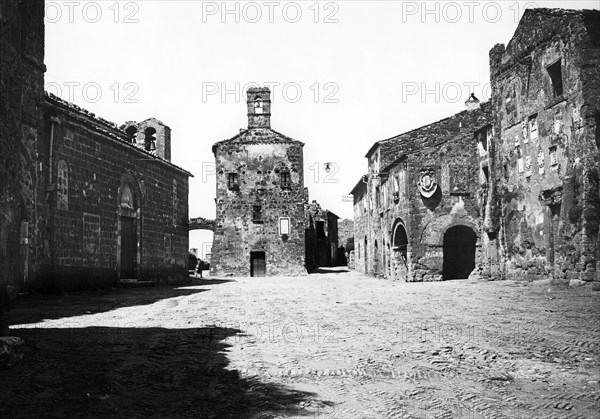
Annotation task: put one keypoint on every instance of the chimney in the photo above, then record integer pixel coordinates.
(259, 107)
(472, 103)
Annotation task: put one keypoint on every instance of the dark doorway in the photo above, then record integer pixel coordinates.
(400, 243)
(459, 252)
(258, 264)
(128, 248)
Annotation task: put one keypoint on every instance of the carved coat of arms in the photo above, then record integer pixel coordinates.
(427, 183)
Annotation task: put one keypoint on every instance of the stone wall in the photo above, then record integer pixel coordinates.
(444, 152)
(21, 93)
(98, 176)
(259, 182)
(545, 86)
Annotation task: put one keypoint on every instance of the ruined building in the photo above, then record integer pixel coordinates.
(259, 224)
(84, 203)
(546, 102)
(321, 237)
(506, 189)
(417, 211)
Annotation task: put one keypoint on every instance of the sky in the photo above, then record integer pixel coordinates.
(343, 74)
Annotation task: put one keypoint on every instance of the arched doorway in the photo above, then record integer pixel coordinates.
(128, 254)
(459, 252)
(400, 252)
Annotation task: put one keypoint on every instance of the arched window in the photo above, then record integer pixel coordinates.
(150, 139)
(258, 105)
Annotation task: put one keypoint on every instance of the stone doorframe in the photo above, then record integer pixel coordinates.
(129, 203)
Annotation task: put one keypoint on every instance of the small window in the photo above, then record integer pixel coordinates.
(257, 213)
(555, 73)
(286, 180)
(485, 174)
(233, 181)
(284, 226)
(533, 127)
(553, 156)
(258, 105)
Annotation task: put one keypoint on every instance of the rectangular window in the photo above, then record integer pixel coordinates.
(555, 73)
(521, 165)
(256, 213)
(286, 180)
(232, 180)
(402, 180)
(533, 128)
(377, 197)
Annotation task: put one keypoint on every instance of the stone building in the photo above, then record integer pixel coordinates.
(417, 213)
(259, 224)
(506, 189)
(321, 238)
(546, 102)
(85, 203)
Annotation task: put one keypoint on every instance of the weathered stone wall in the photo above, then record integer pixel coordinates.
(91, 163)
(21, 92)
(259, 157)
(361, 226)
(446, 151)
(321, 238)
(547, 149)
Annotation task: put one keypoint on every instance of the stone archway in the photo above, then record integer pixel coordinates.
(129, 229)
(400, 251)
(459, 252)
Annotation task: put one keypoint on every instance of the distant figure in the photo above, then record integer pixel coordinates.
(200, 266)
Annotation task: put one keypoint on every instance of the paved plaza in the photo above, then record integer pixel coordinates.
(336, 344)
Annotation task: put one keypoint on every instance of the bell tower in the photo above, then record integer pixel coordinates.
(259, 107)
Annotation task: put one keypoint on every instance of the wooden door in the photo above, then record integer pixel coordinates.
(258, 264)
(128, 247)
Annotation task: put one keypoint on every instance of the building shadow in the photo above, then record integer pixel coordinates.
(102, 372)
(33, 308)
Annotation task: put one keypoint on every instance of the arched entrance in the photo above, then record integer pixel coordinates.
(128, 254)
(459, 252)
(400, 252)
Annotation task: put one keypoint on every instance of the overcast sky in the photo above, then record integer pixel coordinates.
(343, 74)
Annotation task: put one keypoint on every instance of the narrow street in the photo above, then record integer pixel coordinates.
(335, 344)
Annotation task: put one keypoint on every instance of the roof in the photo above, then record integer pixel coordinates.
(104, 127)
(359, 185)
(257, 136)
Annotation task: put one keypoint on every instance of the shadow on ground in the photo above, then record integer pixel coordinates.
(137, 373)
(37, 307)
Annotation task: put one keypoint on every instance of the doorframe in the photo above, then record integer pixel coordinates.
(252, 260)
(133, 211)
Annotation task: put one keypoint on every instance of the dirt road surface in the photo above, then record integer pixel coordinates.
(331, 345)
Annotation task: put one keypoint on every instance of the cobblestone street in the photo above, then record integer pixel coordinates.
(335, 344)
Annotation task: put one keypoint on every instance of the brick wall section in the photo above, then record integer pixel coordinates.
(550, 210)
(84, 210)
